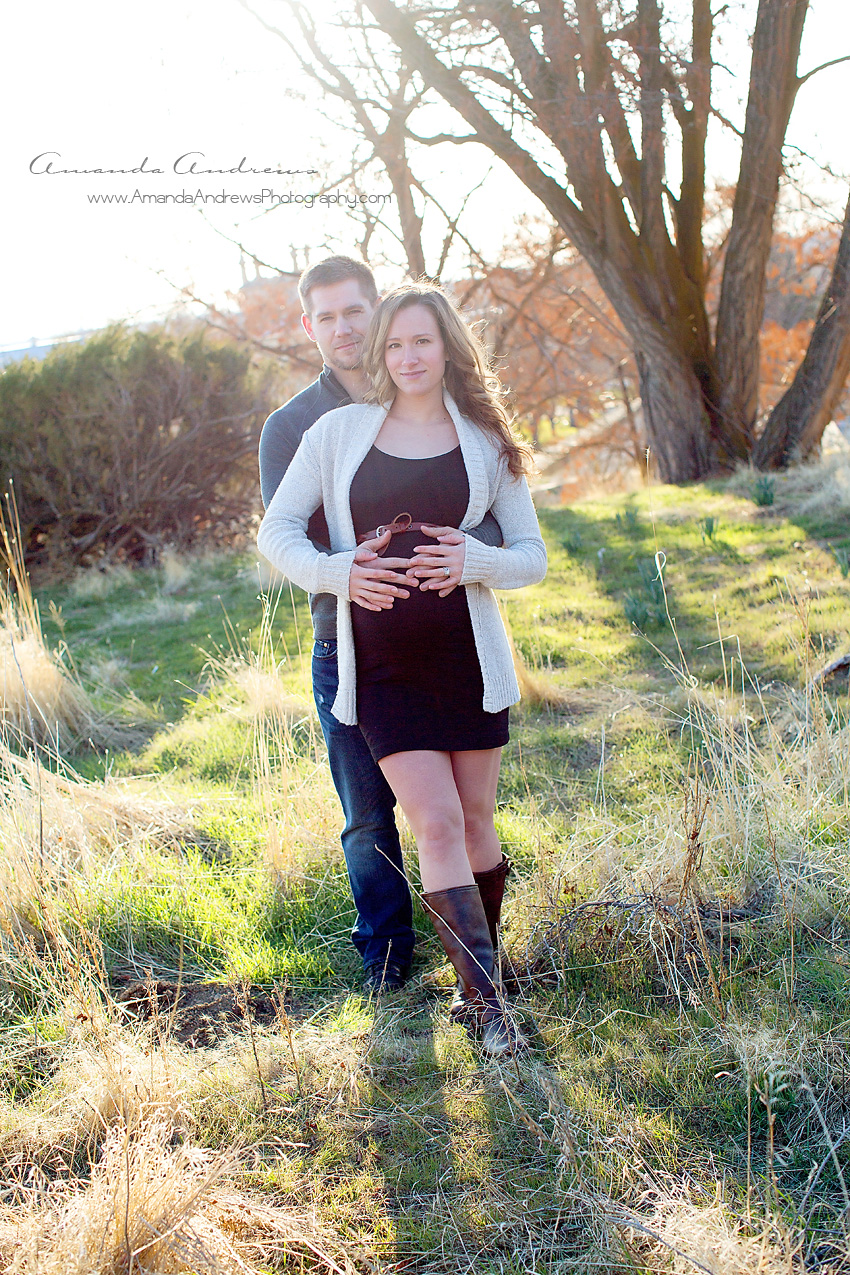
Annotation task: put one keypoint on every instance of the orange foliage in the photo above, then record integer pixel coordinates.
(799, 268)
(781, 352)
(561, 348)
(270, 313)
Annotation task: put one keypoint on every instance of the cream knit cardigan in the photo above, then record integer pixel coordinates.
(321, 473)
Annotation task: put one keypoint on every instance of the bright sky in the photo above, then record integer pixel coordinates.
(107, 85)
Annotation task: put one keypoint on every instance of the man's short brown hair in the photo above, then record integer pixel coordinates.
(336, 270)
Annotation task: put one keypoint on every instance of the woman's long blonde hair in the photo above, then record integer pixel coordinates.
(469, 377)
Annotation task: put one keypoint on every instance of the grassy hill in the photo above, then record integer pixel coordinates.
(192, 1079)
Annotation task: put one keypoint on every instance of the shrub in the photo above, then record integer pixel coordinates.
(132, 440)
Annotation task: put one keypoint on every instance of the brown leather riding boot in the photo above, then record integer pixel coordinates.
(491, 887)
(459, 919)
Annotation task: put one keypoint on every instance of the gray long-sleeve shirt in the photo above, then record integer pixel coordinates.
(279, 441)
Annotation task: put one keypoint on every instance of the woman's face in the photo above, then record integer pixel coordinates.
(414, 352)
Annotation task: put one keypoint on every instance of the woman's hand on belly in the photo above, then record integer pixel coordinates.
(439, 566)
(373, 581)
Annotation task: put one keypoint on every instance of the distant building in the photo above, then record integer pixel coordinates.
(38, 348)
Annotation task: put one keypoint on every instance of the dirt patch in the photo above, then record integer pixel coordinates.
(196, 1014)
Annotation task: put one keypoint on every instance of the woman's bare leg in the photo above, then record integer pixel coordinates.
(426, 788)
(476, 776)
(449, 799)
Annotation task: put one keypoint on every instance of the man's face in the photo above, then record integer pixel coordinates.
(338, 319)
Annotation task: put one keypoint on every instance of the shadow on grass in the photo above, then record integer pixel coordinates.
(618, 557)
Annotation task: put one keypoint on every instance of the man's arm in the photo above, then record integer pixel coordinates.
(279, 441)
(488, 531)
(278, 444)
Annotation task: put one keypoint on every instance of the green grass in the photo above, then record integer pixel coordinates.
(670, 1063)
(741, 583)
(162, 638)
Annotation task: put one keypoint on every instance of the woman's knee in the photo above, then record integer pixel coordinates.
(439, 829)
(478, 826)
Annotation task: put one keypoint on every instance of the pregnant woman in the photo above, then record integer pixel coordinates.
(425, 666)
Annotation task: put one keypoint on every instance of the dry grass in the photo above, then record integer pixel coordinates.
(288, 772)
(56, 829)
(155, 1209)
(69, 822)
(537, 686)
(261, 572)
(754, 833)
(714, 1237)
(134, 1108)
(176, 570)
(104, 1077)
(141, 1210)
(103, 1125)
(160, 610)
(819, 489)
(775, 823)
(167, 610)
(108, 672)
(43, 704)
(98, 583)
(41, 701)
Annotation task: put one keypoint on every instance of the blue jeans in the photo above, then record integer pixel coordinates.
(384, 924)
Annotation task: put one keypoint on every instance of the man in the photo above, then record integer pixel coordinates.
(338, 296)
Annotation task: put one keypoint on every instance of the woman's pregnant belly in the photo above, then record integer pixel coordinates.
(423, 627)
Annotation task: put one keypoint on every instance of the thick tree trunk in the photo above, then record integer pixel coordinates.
(795, 426)
(674, 417)
(773, 85)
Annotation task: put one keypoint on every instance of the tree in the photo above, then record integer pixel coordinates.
(543, 314)
(377, 96)
(548, 324)
(580, 100)
(795, 425)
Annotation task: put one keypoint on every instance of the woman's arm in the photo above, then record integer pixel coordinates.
(522, 558)
(282, 538)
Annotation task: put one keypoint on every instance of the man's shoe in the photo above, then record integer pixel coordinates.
(386, 976)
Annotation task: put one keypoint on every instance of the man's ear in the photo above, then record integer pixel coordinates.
(307, 326)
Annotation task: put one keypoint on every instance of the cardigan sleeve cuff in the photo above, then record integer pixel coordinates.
(333, 572)
(478, 561)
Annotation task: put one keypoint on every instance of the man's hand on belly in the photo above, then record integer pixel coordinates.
(373, 582)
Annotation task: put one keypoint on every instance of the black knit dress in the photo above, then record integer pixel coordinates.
(419, 682)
